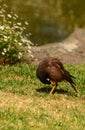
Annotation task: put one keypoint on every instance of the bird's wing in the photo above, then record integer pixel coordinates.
(55, 74)
(58, 64)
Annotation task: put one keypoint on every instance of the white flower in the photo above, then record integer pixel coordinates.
(29, 47)
(9, 16)
(5, 37)
(2, 27)
(20, 55)
(16, 15)
(20, 44)
(14, 18)
(15, 40)
(32, 56)
(7, 27)
(5, 50)
(29, 51)
(26, 23)
(30, 34)
(5, 5)
(3, 53)
(29, 42)
(19, 23)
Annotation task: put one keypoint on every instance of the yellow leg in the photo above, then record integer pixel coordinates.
(53, 88)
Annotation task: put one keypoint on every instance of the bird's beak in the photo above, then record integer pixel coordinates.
(48, 79)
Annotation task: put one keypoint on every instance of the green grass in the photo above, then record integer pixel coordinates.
(25, 103)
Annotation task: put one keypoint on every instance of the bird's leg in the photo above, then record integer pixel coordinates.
(54, 87)
(53, 84)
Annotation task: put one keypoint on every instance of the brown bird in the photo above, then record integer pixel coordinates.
(52, 71)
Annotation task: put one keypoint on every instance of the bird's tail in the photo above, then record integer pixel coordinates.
(73, 86)
(68, 77)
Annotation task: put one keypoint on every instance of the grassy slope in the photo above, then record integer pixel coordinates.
(25, 103)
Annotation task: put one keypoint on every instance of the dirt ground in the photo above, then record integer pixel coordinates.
(69, 51)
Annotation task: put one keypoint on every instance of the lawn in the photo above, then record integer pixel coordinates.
(25, 103)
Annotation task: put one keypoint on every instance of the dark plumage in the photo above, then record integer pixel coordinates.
(51, 70)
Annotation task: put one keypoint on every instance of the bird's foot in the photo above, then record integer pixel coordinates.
(53, 88)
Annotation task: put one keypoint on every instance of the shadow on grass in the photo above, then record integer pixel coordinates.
(47, 90)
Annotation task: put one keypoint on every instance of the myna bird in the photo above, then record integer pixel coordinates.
(52, 71)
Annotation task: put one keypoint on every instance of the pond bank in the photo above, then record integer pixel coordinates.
(69, 51)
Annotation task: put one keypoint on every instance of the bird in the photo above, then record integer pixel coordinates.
(51, 71)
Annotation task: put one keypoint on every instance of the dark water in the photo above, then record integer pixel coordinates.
(49, 20)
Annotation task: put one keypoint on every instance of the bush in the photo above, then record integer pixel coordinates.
(13, 43)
